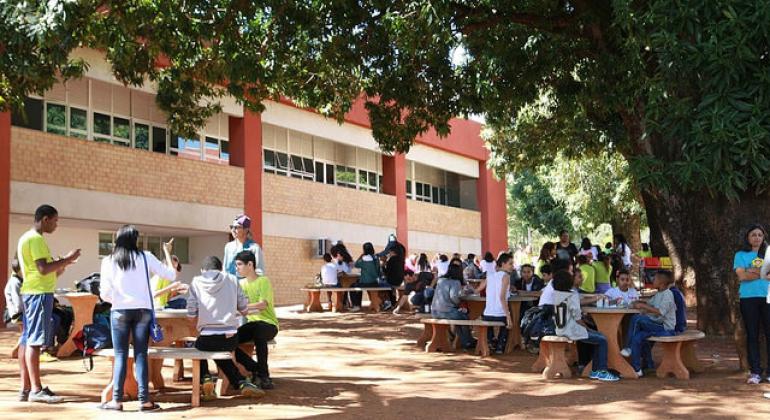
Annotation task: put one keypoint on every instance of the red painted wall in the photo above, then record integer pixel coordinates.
(251, 139)
(494, 215)
(5, 199)
(394, 183)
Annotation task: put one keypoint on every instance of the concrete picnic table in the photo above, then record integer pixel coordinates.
(346, 280)
(83, 314)
(476, 306)
(608, 322)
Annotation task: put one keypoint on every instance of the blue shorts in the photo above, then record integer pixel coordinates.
(38, 310)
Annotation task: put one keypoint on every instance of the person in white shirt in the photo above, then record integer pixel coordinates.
(440, 265)
(488, 264)
(623, 250)
(624, 293)
(329, 273)
(125, 283)
(546, 293)
(498, 287)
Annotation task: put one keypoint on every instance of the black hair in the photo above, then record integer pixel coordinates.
(471, 257)
(623, 271)
(558, 264)
(582, 259)
(15, 266)
(341, 249)
(747, 245)
(328, 257)
(622, 241)
(585, 244)
(545, 251)
(443, 258)
(247, 257)
(562, 281)
(546, 269)
(212, 263)
(563, 231)
(530, 266)
(667, 274)
(456, 261)
(126, 247)
(608, 245)
(454, 272)
(645, 246)
(368, 248)
(503, 258)
(488, 257)
(45, 210)
(423, 263)
(408, 272)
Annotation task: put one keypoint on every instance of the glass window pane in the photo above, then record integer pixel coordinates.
(281, 160)
(181, 248)
(174, 141)
(102, 124)
(224, 150)
(297, 164)
(153, 245)
(319, 172)
(269, 159)
(78, 119)
(330, 174)
(373, 180)
(212, 149)
(159, 140)
(55, 119)
(142, 136)
(434, 194)
(101, 140)
(105, 244)
(408, 186)
(32, 115)
(121, 128)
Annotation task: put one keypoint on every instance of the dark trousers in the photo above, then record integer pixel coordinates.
(756, 314)
(502, 334)
(357, 297)
(259, 333)
(219, 342)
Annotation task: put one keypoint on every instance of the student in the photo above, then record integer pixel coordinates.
(261, 323)
(410, 284)
(125, 284)
(39, 270)
(471, 269)
(546, 293)
(602, 271)
(440, 265)
(164, 289)
(565, 250)
(214, 305)
(344, 260)
(547, 254)
(329, 274)
(608, 248)
(13, 308)
(498, 287)
(588, 272)
(624, 293)
(588, 250)
(370, 274)
(488, 264)
(240, 230)
(569, 323)
(529, 282)
(658, 319)
(645, 252)
(446, 303)
(623, 250)
(394, 272)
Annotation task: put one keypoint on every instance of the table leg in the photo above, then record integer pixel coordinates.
(440, 339)
(608, 324)
(514, 333)
(196, 385)
(338, 302)
(83, 314)
(689, 358)
(475, 309)
(427, 332)
(314, 298)
(375, 301)
(156, 373)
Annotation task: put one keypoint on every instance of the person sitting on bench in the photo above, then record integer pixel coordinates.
(213, 306)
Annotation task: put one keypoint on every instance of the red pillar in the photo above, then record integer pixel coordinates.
(246, 152)
(494, 216)
(5, 199)
(394, 183)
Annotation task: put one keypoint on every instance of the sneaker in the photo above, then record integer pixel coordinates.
(47, 357)
(499, 351)
(355, 309)
(387, 306)
(24, 395)
(207, 389)
(42, 397)
(248, 389)
(604, 376)
(48, 391)
(639, 373)
(626, 352)
(754, 379)
(266, 383)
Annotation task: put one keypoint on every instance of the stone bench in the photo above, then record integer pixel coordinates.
(679, 354)
(130, 386)
(313, 303)
(553, 358)
(440, 337)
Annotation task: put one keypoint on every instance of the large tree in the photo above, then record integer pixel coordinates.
(680, 89)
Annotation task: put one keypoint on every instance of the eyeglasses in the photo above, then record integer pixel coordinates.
(235, 227)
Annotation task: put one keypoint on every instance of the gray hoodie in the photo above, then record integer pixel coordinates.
(572, 314)
(216, 299)
(447, 295)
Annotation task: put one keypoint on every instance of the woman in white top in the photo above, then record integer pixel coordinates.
(623, 250)
(488, 264)
(498, 285)
(125, 283)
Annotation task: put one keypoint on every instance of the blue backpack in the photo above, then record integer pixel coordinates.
(681, 311)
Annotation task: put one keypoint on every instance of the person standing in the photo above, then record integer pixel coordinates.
(240, 230)
(623, 250)
(125, 283)
(40, 272)
(566, 250)
(498, 286)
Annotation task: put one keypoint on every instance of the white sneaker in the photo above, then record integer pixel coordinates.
(355, 309)
(626, 352)
(639, 373)
(754, 379)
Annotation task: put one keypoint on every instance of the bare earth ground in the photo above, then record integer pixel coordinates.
(367, 366)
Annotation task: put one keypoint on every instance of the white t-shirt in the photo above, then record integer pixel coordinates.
(343, 267)
(626, 256)
(329, 273)
(493, 306)
(130, 289)
(488, 267)
(546, 295)
(627, 296)
(442, 267)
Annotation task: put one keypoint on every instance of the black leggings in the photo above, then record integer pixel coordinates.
(756, 313)
(220, 343)
(259, 333)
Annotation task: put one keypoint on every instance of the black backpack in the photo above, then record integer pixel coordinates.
(89, 284)
(536, 323)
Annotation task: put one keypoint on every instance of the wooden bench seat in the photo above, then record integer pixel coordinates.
(679, 354)
(440, 337)
(313, 303)
(166, 353)
(553, 357)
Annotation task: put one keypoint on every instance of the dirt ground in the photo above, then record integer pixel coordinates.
(367, 366)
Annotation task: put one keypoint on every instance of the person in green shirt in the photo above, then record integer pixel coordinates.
(262, 325)
(602, 269)
(39, 270)
(589, 274)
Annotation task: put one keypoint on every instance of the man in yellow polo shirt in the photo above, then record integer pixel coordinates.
(262, 325)
(39, 271)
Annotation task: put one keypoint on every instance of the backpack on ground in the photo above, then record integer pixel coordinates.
(91, 338)
(536, 323)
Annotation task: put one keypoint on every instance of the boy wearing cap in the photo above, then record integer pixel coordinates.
(262, 323)
(241, 229)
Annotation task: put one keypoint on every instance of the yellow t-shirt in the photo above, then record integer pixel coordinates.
(32, 247)
(257, 291)
(157, 284)
(589, 278)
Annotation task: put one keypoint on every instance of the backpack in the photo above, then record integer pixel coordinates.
(536, 323)
(89, 284)
(92, 337)
(681, 311)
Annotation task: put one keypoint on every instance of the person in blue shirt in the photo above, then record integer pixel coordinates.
(752, 291)
(240, 230)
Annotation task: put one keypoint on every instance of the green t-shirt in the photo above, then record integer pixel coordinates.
(602, 273)
(257, 291)
(157, 284)
(32, 247)
(589, 278)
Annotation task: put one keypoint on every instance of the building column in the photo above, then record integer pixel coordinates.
(5, 200)
(246, 152)
(494, 214)
(394, 183)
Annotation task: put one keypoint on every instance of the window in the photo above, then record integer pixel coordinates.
(367, 180)
(186, 147)
(216, 150)
(102, 128)
(152, 243)
(345, 176)
(78, 123)
(142, 136)
(422, 192)
(105, 244)
(159, 140)
(56, 119)
(409, 189)
(31, 116)
(121, 131)
(302, 168)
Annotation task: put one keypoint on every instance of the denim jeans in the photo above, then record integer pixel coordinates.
(133, 323)
(756, 314)
(502, 335)
(466, 339)
(599, 342)
(640, 329)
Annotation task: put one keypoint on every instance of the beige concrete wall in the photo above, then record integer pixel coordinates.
(434, 218)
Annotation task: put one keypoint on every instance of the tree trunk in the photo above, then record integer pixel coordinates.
(702, 235)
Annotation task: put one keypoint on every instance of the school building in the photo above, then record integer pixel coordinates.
(102, 154)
